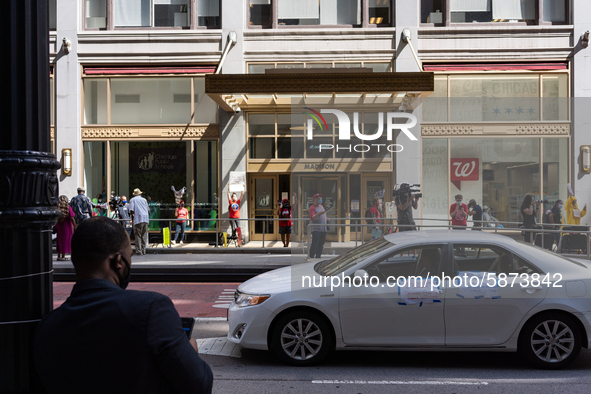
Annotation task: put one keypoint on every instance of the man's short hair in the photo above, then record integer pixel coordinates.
(473, 201)
(459, 196)
(95, 239)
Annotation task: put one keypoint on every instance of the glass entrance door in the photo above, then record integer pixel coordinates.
(331, 196)
(264, 203)
(375, 187)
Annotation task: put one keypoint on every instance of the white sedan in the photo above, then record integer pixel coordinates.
(421, 290)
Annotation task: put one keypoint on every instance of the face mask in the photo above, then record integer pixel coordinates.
(182, 205)
(124, 202)
(320, 201)
(560, 206)
(459, 202)
(124, 281)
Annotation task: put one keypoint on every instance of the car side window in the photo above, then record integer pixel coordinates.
(414, 261)
(488, 258)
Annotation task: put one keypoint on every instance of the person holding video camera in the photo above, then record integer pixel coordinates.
(405, 202)
(529, 213)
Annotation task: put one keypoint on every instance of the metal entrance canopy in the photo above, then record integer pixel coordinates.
(276, 90)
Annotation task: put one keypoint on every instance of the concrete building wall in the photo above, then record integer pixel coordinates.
(67, 93)
(581, 91)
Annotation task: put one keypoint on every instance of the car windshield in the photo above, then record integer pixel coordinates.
(542, 253)
(349, 259)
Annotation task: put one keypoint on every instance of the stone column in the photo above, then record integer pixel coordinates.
(28, 190)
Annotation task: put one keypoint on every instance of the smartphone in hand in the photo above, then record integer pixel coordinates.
(188, 323)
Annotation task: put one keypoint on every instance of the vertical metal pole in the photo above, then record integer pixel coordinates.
(588, 252)
(264, 231)
(28, 190)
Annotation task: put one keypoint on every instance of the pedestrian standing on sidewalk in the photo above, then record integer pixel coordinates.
(529, 213)
(138, 207)
(182, 214)
(475, 211)
(81, 205)
(64, 229)
(458, 213)
(105, 339)
(284, 211)
(125, 215)
(317, 215)
(234, 210)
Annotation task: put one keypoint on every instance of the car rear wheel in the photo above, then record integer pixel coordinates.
(302, 338)
(551, 341)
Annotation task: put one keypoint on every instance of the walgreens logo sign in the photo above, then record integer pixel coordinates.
(464, 170)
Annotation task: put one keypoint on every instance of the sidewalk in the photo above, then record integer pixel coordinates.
(185, 265)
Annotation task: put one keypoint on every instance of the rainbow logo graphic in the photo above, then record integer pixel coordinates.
(315, 115)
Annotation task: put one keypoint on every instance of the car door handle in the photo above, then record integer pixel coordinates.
(531, 289)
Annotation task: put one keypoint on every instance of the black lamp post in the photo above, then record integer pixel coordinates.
(28, 189)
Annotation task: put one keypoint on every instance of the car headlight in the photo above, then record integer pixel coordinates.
(244, 299)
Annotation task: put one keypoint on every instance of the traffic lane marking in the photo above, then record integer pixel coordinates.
(402, 382)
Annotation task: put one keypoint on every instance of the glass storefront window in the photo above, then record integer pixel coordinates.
(208, 13)
(434, 108)
(434, 181)
(555, 97)
(262, 148)
(509, 97)
(260, 13)
(207, 199)
(555, 169)
(95, 101)
(150, 100)
(154, 168)
(95, 14)
(95, 170)
(500, 173)
(261, 124)
(206, 110)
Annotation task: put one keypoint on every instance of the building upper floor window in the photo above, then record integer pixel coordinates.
(531, 12)
(52, 15)
(259, 68)
(319, 12)
(151, 13)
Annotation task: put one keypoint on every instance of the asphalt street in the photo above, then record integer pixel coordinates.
(249, 371)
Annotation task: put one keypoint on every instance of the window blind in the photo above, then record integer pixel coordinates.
(514, 9)
(470, 5)
(301, 9)
(132, 13)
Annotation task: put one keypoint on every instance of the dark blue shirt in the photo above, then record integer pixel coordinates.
(107, 340)
(478, 214)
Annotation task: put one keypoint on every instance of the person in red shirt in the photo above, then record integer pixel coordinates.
(182, 214)
(459, 213)
(375, 213)
(234, 210)
(284, 212)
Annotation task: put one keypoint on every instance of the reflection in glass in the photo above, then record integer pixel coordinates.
(260, 13)
(96, 14)
(208, 13)
(95, 170)
(95, 101)
(379, 12)
(150, 100)
(261, 124)
(432, 11)
(262, 148)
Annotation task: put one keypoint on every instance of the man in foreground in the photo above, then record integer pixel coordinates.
(105, 339)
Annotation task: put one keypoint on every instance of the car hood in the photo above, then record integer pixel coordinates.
(279, 280)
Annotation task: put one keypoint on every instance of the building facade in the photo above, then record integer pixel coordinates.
(505, 115)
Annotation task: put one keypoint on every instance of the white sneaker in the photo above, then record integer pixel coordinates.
(173, 242)
(181, 242)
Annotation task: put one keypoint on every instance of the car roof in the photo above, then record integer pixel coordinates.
(441, 236)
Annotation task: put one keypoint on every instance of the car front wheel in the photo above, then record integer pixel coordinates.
(302, 338)
(551, 341)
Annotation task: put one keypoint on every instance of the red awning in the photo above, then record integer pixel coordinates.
(495, 66)
(148, 70)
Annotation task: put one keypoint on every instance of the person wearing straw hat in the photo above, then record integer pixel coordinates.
(140, 214)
